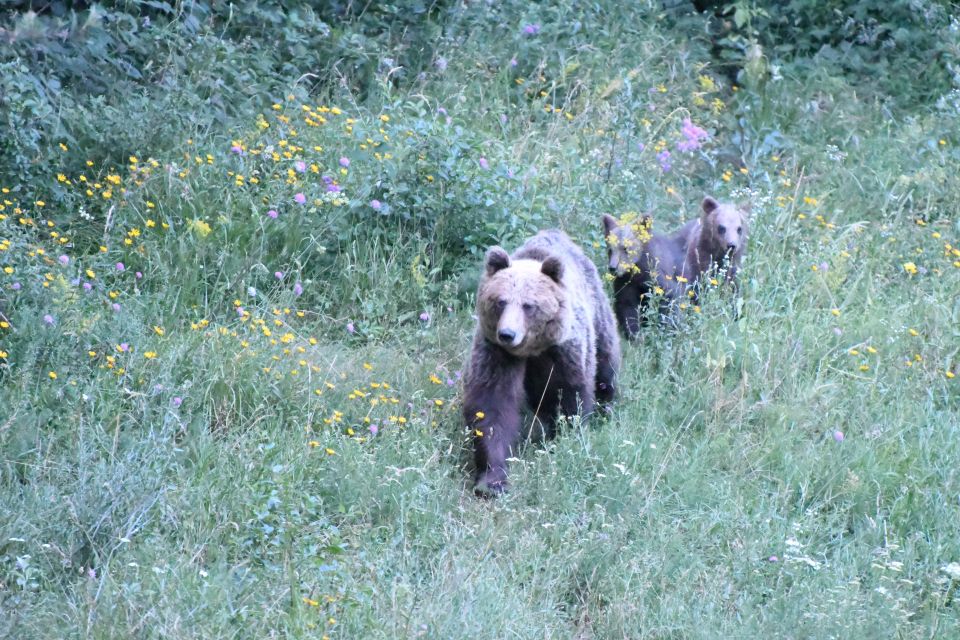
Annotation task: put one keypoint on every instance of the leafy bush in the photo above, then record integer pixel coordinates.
(173, 68)
(879, 42)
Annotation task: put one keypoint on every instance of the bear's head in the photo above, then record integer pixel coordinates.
(522, 303)
(625, 239)
(724, 227)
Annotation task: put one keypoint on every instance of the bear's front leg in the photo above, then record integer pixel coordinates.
(627, 309)
(493, 394)
(576, 369)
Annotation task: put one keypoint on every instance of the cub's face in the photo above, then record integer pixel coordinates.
(725, 226)
(625, 240)
(520, 303)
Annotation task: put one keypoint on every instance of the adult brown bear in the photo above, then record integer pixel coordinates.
(546, 338)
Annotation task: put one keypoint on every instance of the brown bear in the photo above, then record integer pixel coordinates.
(643, 264)
(718, 241)
(545, 337)
(672, 265)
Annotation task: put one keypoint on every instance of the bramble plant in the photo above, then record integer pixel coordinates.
(238, 254)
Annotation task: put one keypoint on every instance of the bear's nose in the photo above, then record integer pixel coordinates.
(506, 336)
(731, 246)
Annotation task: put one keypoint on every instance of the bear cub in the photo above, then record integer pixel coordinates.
(643, 264)
(717, 241)
(671, 265)
(546, 338)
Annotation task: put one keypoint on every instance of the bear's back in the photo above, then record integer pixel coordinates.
(580, 274)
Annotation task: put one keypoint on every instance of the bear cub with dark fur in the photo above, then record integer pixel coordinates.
(642, 264)
(672, 264)
(546, 337)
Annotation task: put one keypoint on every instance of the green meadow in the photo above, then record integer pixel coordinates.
(239, 248)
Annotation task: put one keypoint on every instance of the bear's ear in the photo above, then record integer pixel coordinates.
(609, 224)
(496, 259)
(709, 205)
(552, 268)
(746, 208)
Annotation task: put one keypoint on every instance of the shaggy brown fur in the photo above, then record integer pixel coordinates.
(717, 242)
(652, 267)
(545, 335)
(671, 265)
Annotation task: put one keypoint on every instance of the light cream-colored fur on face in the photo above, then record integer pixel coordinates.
(537, 328)
(731, 218)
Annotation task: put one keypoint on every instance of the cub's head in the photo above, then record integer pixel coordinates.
(724, 226)
(625, 239)
(521, 304)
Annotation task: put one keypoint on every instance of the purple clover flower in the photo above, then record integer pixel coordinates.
(664, 159)
(693, 136)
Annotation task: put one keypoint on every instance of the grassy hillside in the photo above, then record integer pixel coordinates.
(230, 358)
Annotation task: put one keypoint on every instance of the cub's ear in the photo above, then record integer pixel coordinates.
(709, 205)
(746, 208)
(552, 268)
(609, 224)
(496, 259)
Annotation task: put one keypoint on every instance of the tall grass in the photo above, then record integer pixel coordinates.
(262, 438)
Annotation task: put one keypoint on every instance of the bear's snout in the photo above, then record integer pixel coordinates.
(731, 246)
(509, 337)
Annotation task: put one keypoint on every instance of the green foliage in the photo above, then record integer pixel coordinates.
(877, 42)
(219, 423)
(174, 67)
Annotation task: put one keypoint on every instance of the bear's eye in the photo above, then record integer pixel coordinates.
(739, 231)
(501, 303)
(528, 307)
(721, 229)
